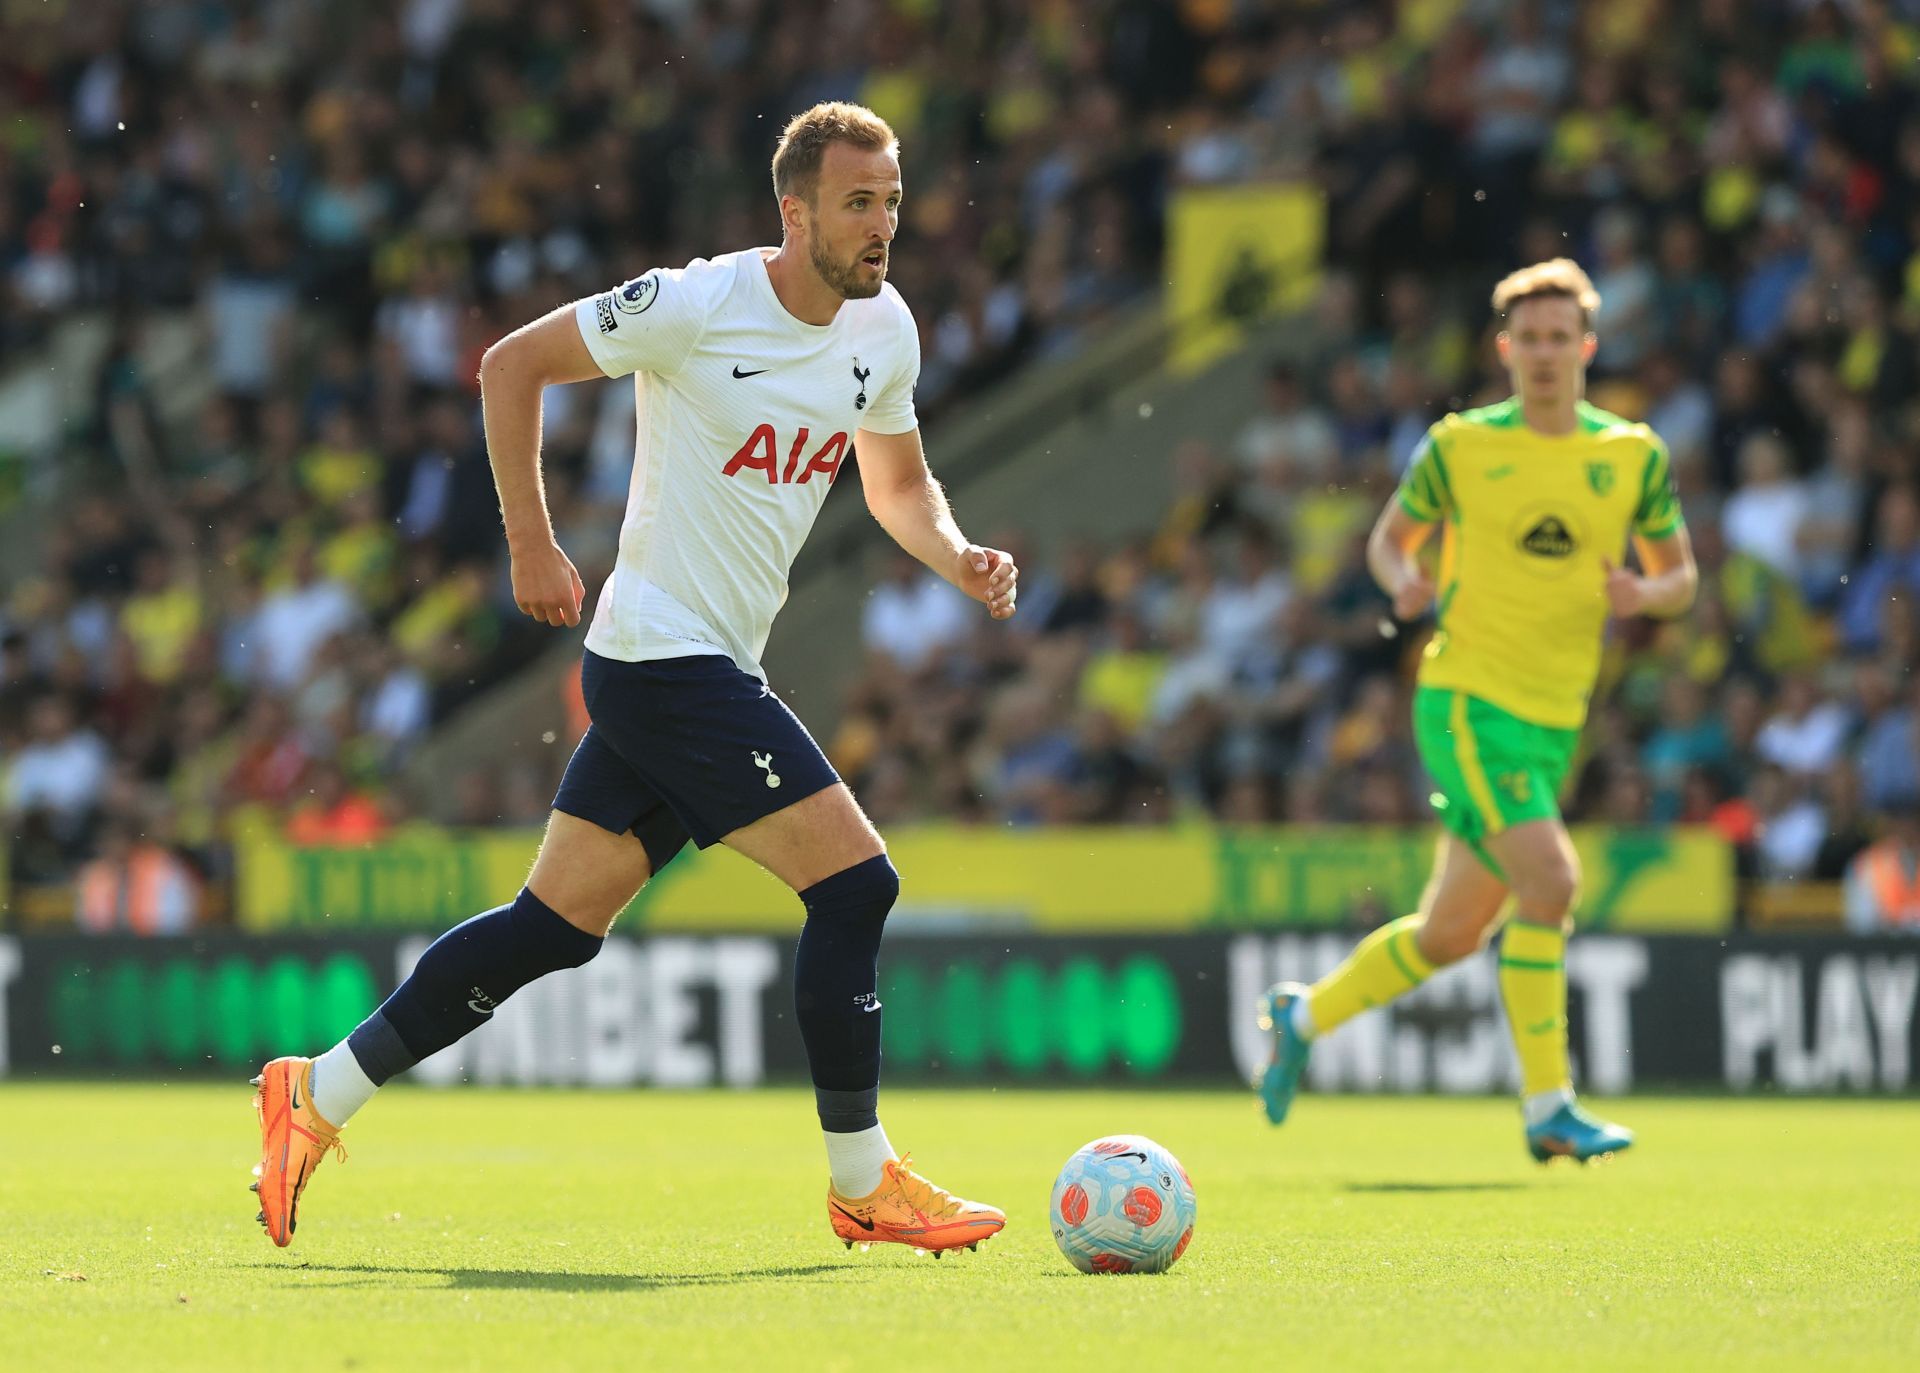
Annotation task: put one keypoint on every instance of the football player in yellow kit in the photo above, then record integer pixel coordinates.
(1537, 499)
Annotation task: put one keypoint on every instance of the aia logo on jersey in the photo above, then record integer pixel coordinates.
(760, 453)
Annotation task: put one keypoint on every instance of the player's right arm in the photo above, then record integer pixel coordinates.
(1393, 549)
(548, 352)
(650, 324)
(1393, 556)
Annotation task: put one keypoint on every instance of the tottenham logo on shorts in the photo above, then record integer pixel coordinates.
(637, 294)
(860, 401)
(765, 760)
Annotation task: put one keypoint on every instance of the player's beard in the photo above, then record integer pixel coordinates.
(847, 278)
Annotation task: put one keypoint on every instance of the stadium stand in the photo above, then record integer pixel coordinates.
(265, 578)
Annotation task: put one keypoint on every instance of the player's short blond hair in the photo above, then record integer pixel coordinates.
(796, 162)
(1560, 276)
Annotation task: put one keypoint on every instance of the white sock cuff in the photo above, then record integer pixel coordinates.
(340, 1085)
(1541, 1105)
(1300, 1014)
(858, 1159)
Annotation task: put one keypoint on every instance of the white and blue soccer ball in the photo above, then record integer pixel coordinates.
(1122, 1204)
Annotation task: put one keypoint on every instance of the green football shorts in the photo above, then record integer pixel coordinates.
(1493, 769)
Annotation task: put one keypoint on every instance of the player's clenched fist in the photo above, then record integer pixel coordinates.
(546, 586)
(988, 574)
(1626, 593)
(1410, 602)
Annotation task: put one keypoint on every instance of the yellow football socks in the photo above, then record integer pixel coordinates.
(1386, 965)
(1533, 983)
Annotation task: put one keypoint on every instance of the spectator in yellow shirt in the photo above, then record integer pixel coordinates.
(1124, 673)
(162, 616)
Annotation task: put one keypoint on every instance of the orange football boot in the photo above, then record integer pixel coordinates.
(293, 1140)
(907, 1209)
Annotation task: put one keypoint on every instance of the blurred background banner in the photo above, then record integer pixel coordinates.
(1789, 1013)
(1062, 880)
(1236, 256)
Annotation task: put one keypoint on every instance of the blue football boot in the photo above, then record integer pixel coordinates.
(1280, 1079)
(1571, 1133)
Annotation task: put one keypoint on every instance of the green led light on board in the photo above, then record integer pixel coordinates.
(1023, 1017)
(181, 1011)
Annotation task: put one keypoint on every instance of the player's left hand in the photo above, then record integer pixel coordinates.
(988, 574)
(1626, 592)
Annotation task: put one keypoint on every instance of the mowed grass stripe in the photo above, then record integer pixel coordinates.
(496, 1229)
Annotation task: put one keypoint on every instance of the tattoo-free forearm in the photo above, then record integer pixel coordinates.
(1669, 593)
(1392, 566)
(510, 413)
(920, 521)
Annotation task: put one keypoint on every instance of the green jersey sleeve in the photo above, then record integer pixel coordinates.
(1425, 492)
(1658, 514)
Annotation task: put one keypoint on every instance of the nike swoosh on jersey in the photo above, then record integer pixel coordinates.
(742, 376)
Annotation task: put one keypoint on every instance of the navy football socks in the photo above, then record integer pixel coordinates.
(462, 977)
(478, 964)
(836, 974)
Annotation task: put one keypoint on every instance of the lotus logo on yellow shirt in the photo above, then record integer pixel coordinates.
(1550, 538)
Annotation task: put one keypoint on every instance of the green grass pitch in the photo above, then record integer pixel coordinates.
(531, 1230)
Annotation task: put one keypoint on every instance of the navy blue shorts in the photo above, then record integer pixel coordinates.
(685, 748)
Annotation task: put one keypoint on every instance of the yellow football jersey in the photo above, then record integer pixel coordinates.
(1530, 519)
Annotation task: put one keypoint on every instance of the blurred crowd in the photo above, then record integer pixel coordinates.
(269, 573)
(1741, 181)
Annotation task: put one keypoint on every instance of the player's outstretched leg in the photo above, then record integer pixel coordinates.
(1459, 906)
(456, 986)
(1386, 965)
(453, 990)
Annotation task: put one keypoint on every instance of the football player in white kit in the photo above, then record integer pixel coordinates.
(756, 374)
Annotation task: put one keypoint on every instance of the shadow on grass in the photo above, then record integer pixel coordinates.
(1421, 1187)
(555, 1280)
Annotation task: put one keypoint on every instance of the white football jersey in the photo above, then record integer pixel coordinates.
(745, 414)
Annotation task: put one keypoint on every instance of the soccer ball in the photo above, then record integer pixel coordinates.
(1122, 1205)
